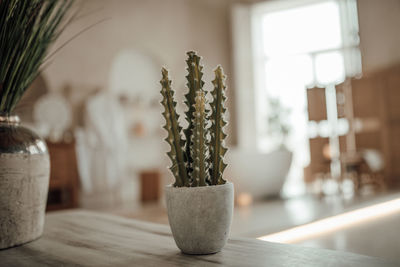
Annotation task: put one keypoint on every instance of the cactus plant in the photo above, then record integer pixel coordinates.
(197, 160)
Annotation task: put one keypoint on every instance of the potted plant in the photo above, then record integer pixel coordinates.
(27, 30)
(259, 175)
(200, 202)
(278, 122)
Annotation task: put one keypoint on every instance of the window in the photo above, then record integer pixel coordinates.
(299, 44)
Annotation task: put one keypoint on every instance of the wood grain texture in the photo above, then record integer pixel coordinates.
(82, 238)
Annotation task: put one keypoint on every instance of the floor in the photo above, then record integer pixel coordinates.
(379, 238)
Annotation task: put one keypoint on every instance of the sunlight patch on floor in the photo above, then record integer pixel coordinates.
(334, 223)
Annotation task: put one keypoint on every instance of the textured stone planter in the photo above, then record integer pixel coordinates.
(200, 217)
(24, 182)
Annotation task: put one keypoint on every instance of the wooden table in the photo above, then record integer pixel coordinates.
(86, 238)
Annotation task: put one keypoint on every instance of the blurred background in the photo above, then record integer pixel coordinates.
(314, 119)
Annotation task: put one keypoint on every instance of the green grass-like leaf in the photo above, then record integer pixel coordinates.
(28, 28)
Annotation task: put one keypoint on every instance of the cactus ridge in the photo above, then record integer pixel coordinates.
(176, 155)
(199, 143)
(217, 147)
(194, 84)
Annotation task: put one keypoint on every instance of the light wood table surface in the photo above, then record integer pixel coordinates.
(83, 238)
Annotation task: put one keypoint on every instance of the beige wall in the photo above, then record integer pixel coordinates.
(379, 22)
(166, 29)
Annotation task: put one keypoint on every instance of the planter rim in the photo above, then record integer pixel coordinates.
(17, 139)
(170, 187)
(9, 118)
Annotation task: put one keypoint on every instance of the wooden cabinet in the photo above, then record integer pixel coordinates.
(150, 184)
(64, 178)
(376, 96)
(373, 112)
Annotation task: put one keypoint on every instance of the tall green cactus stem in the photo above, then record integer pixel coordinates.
(194, 84)
(217, 149)
(174, 139)
(197, 159)
(199, 142)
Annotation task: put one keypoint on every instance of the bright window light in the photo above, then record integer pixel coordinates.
(335, 223)
(329, 68)
(300, 44)
(301, 30)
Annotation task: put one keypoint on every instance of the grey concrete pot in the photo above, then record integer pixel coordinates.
(24, 182)
(200, 217)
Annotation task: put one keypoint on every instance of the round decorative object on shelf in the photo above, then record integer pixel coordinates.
(24, 182)
(53, 115)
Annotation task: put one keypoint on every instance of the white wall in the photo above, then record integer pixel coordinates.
(163, 29)
(166, 29)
